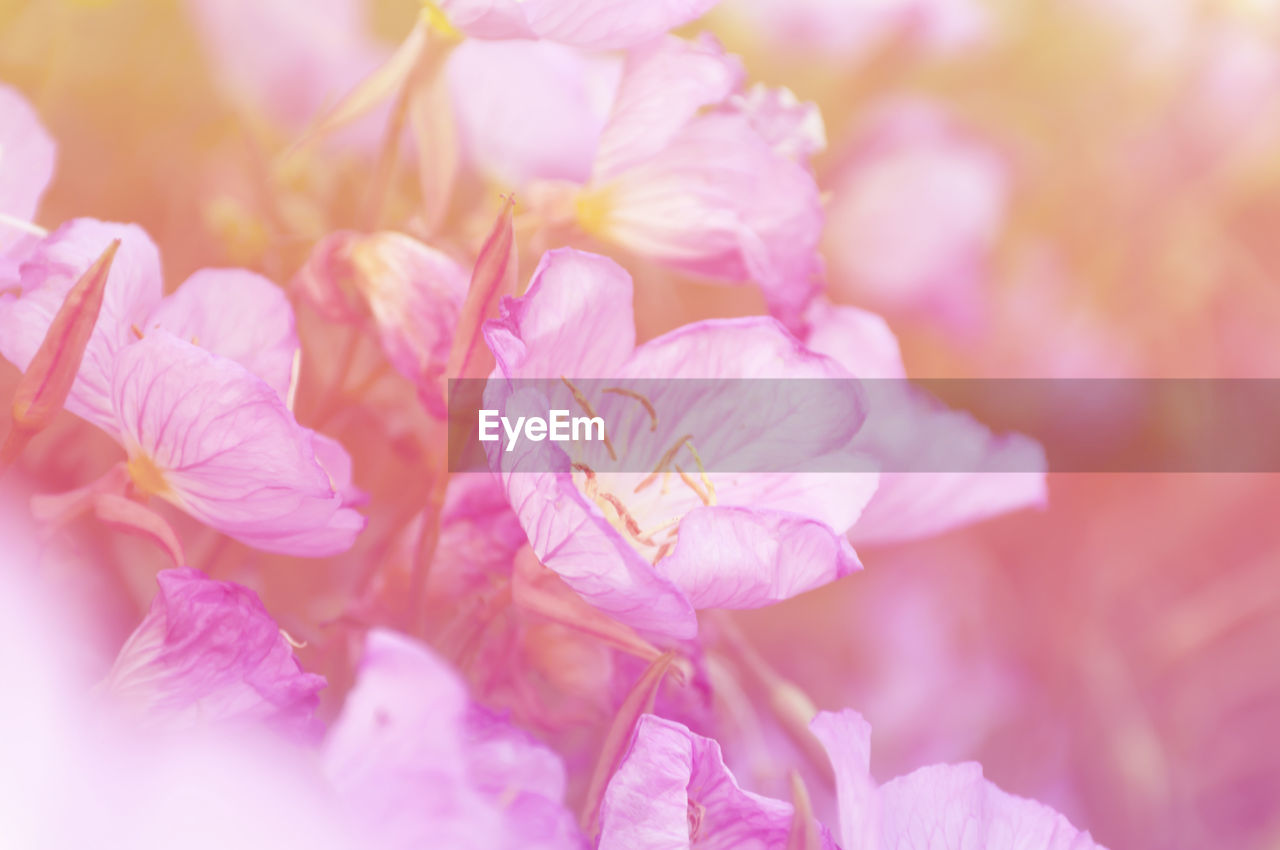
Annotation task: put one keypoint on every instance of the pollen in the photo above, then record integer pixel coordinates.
(146, 476)
(592, 208)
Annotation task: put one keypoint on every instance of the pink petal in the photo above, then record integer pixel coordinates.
(206, 434)
(417, 765)
(27, 155)
(134, 286)
(208, 651)
(846, 736)
(594, 24)
(235, 314)
(749, 558)
(942, 468)
(575, 320)
(530, 110)
(791, 128)
(672, 789)
(664, 85)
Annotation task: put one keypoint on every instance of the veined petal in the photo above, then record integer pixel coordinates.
(134, 286)
(208, 651)
(27, 155)
(749, 558)
(236, 314)
(664, 85)
(206, 434)
(575, 320)
(672, 790)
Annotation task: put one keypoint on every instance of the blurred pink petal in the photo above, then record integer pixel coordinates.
(208, 652)
(792, 128)
(235, 314)
(672, 789)
(942, 807)
(134, 286)
(207, 435)
(918, 205)
(530, 110)
(705, 192)
(594, 24)
(27, 154)
(412, 292)
(417, 765)
(285, 61)
(609, 534)
(942, 468)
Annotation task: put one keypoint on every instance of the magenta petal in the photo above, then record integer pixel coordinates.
(208, 435)
(208, 652)
(748, 558)
(236, 314)
(672, 790)
(54, 265)
(27, 155)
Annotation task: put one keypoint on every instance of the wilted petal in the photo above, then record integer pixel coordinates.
(27, 155)
(134, 286)
(208, 652)
(236, 314)
(672, 790)
(206, 434)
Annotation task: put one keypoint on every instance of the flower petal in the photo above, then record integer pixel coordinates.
(208, 651)
(134, 286)
(27, 155)
(206, 434)
(236, 314)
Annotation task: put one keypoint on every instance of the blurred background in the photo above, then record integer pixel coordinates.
(1029, 188)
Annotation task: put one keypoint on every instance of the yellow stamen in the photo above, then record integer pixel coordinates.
(702, 472)
(693, 485)
(439, 21)
(590, 411)
(663, 462)
(648, 405)
(146, 476)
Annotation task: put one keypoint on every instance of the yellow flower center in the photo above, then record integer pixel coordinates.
(146, 476)
(592, 208)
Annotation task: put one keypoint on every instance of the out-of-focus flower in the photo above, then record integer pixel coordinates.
(27, 154)
(650, 555)
(918, 204)
(844, 31)
(208, 652)
(941, 807)
(943, 468)
(672, 789)
(203, 416)
(692, 174)
(593, 24)
(416, 764)
(285, 60)
(530, 110)
(412, 292)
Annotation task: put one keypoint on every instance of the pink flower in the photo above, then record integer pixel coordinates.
(411, 292)
(941, 807)
(692, 175)
(195, 387)
(530, 110)
(649, 552)
(208, 652)
(940, 468)
(844, 32)
(594, 24)
(26, 166)
(918, 206)
(416, 764)
(672, 789)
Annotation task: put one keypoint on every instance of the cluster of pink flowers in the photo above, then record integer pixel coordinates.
(530, 664)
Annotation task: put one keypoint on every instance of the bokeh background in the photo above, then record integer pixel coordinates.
(1029, 188)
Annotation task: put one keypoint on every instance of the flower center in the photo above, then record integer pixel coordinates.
(592, 208)
(146, 476)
